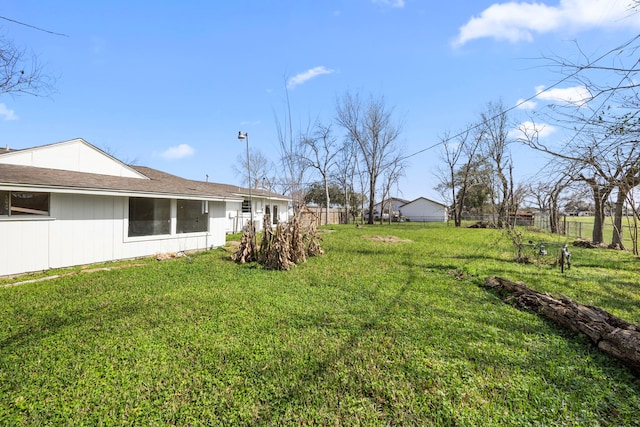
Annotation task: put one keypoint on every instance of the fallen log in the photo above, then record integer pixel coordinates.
(612, 335)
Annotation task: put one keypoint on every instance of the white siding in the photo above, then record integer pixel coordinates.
(84, 229)
(87, 229)
(74, 155)
(24, 245)
(217, 221)
(235, 219)
(424, 210)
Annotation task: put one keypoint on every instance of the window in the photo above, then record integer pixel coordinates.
(149, 217)
(192, 216)
(275, 214)
(14, 203)
(246, 206)
(4, 202)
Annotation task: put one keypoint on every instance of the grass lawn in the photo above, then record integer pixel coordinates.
(375, 332)
(582, 227)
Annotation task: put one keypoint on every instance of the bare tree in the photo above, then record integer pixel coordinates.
(603, 143)
(391, 176)
(633, 221)
(458, 154)
(20, 74)
(584, 160)
(373, 128)
(450, 155)
(319, 154)
(293, 168)
(493, 134)
(605, 159)
(259, 166)
(547, 193)
(345, 171)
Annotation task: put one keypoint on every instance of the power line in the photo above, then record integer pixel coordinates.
(33, 26)
(546, 89)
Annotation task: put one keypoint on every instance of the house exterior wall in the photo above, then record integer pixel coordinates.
(85, 229)
(75, 155)
(394, 203)
(236, 219)
(25, 245)
(87, 220)
(423, 210)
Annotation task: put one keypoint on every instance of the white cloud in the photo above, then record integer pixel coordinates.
(577, 95)
(7, 114)
(541, 129)
(305, 76)
(516, 21)
(178, 152)
(392, 3)
(526, 104)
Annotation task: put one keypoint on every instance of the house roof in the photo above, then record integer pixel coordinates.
(153, 183)
(424, 198)
(396, 200)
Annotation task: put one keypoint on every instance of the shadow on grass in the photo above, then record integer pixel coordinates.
(50, 323)
(321, 368)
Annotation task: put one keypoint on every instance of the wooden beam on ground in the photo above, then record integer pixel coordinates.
(612, 335)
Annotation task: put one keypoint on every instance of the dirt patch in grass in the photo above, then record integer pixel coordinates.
(387, 239)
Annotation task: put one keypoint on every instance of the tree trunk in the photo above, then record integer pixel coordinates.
(372, 196)
(597, 236)
(600, 194)
(460, 206)
(346, 204)
(616, 240)
(554, 221)
(454, 206)
(554, 216)
(326, 195)
(612, 335)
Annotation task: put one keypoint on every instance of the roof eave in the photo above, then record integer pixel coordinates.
(117, 193)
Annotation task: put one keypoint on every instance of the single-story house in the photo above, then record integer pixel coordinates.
(392, 204)
(424, 210)
(70, 203)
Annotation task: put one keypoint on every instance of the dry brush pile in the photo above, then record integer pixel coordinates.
(280, 249)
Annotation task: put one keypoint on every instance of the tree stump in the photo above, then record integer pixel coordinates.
(612, 335)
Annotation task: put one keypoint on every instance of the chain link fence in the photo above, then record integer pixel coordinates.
(568, 226)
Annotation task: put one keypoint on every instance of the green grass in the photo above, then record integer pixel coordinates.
(371, 333)
(582, 227)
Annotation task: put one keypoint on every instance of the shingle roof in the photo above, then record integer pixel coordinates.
(424, 198)
(158, 182)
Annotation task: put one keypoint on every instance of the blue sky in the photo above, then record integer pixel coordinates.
(169, 84)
